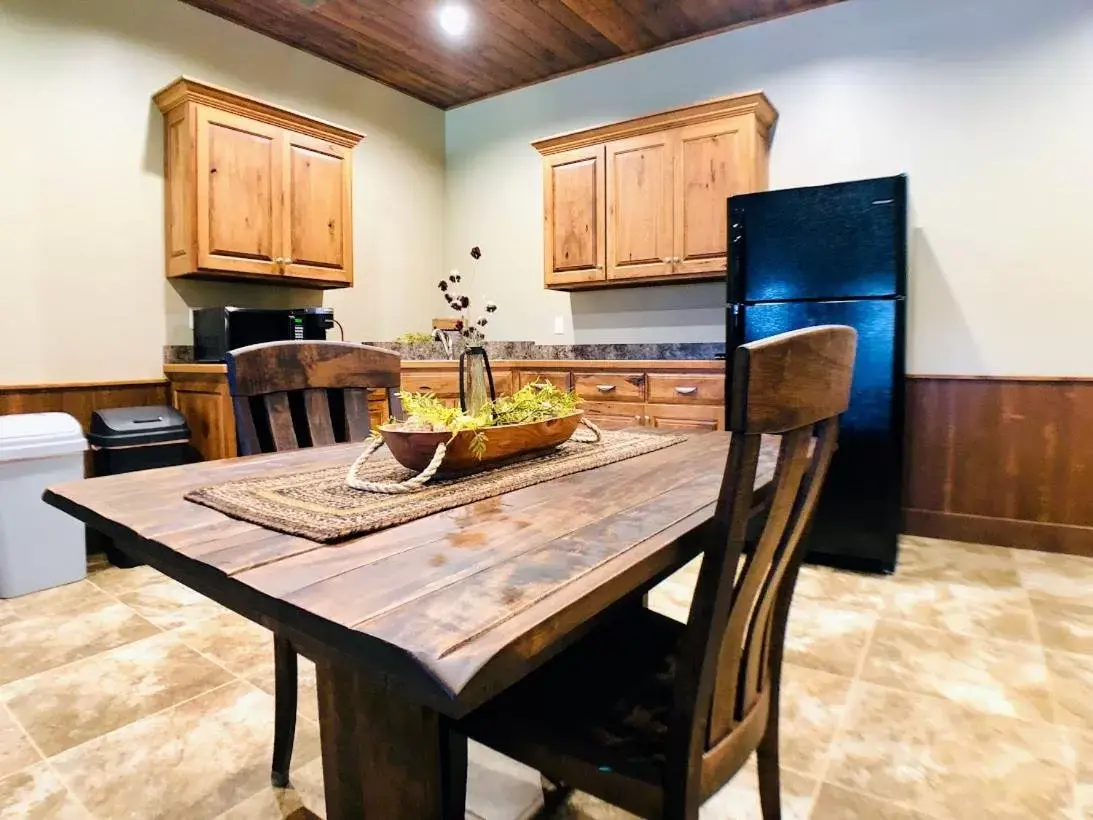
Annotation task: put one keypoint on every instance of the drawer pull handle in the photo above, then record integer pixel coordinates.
(686, 391)
(605, 388)
(424, 388)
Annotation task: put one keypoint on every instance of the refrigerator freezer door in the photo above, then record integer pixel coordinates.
(858, 518)
(841, 241)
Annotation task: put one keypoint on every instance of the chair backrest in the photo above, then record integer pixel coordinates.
(288, 395)
(794, 385)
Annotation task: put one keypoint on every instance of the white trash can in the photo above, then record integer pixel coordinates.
(40, 547)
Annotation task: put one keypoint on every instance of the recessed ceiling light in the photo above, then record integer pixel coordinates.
(454, 19)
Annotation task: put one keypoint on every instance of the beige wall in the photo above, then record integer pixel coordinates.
(82, 291)
(987, 105)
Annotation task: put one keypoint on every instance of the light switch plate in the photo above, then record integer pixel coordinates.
(559, 325)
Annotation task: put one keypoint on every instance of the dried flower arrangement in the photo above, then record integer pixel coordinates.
(474, 333)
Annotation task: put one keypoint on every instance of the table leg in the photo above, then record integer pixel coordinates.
(385, 758)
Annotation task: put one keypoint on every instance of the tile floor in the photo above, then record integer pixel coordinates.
(962, 687)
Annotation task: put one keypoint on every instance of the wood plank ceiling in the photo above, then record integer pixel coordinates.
(509, 43)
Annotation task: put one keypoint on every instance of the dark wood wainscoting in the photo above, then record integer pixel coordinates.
(81, 399)
(1005, 461)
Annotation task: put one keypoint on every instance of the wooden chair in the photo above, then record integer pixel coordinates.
(655, 716)
(288, 395)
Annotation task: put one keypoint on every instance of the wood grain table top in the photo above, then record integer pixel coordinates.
(452, 608)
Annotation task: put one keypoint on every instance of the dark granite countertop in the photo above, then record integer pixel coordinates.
(183, 354)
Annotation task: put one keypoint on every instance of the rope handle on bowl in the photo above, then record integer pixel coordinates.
(597, 433)
(412, 485)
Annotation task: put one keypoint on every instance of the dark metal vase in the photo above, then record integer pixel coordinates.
(475, 380)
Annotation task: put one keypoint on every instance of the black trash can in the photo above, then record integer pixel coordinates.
(127, 439)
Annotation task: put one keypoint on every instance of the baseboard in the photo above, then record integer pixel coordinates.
(1004, 532)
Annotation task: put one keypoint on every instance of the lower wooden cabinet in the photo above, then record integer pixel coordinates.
(615, 395)
(205, 403)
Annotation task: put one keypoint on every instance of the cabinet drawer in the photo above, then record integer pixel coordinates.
(559, 378)
(444, 384)
(682, 417)
(682, 388)
(614, 415)
(610, 386)
(439, 382)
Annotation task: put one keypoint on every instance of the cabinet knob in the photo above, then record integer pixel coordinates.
(686, 391)
(676, 259)
(605, 388)
(667, 260)
(280, 260)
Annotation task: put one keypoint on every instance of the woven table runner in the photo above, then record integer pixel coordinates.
(320, 506)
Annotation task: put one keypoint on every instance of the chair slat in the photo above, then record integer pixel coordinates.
(357, 426)
(787, 479)
(245, 431)
(280, 421)
(797, 445)
(318, 417)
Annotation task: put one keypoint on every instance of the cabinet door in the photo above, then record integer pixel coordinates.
(639, 206)
(711, 165)
(684, 417)
(207, 408)
(562, 379)
(613, 415)
(574, 247)
(318, 211)
(238, 194)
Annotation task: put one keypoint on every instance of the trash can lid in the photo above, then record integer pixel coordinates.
(39, 435)
(132, 426)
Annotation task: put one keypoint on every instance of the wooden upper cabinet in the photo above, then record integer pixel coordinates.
(711, 164)
(667, 179)
(639, 206)
(574, 246)
(238, 194)
(318, 213)
(254, 191)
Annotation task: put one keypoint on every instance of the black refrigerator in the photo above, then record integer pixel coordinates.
(836, 254)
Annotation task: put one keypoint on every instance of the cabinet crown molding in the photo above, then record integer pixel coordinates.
(187, 89)
(753, 102)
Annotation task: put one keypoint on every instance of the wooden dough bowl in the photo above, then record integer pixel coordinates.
(415, 449)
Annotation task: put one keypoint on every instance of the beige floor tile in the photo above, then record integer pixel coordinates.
(739, 798)
(827, 638)
(1000, 677)
(116, 580)
(307, 698)
(303, 800)
(1064, 625)
(813, 704)
(499, 788)
(34, 644)
(37, 794)
(78, 597)
(1072, 682)
(950, 761)
(1081, 744)
(169, 604)
(842, 589)
(64, 707)
(978, 611)
(836, 803)
(930, 559)
(7, 612)
(16, 750)
(231, 640)
(196, 760)
(1067, 578)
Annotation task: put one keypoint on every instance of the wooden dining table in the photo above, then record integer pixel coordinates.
(424, 621)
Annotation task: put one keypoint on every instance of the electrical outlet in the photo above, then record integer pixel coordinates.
(559, 325)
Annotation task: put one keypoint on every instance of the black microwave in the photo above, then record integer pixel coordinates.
(220, 329)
